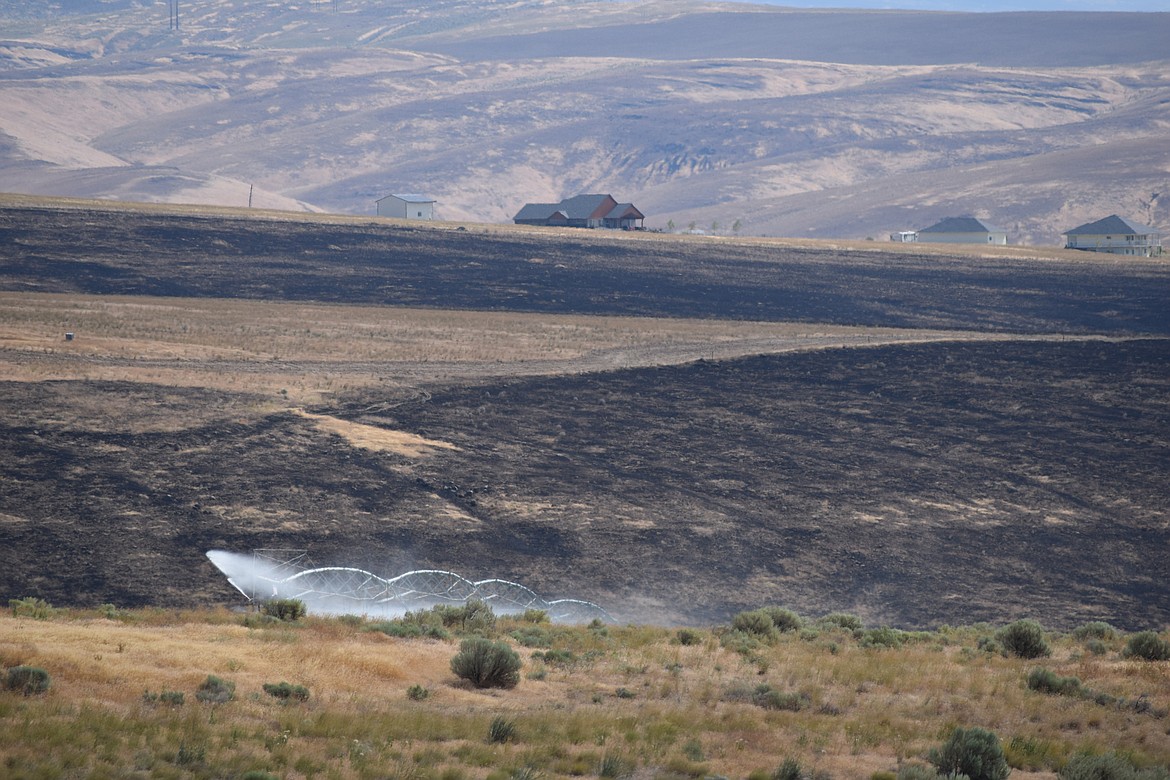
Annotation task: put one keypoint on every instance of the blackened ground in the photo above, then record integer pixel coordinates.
(913, 485)
(125, 252)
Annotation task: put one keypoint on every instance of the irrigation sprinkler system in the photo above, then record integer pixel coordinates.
(288, 574)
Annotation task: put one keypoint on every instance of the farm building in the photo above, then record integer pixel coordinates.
(588, 211)
(406, 207)
(1116, 236)
(962, 230)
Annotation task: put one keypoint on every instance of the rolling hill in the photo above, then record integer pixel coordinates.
(797, 123)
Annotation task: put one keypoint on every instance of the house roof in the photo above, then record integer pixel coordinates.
(622, 210)
(1111, 225)
(960, 225)
(537, 211)
(408, 198)
(584, 206)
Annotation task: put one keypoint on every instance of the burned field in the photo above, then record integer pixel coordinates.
(912, 484)
(124, 252)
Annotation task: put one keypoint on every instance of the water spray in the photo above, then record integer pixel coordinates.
(341, 590)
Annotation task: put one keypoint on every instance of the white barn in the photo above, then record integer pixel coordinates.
(1116, 236)
(406, 207)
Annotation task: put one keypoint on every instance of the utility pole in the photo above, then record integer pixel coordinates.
(250, 195)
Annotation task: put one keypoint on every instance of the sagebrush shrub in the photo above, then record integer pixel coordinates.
(973, 752)
(285, 691)
(288, 610)
(1094, 630)
(474, 616)
(1024, 638)
(1048, 681)
(883, 637)
(785, 620)
(535, 616)
(757, 624)
(417, 693)
(214, 690)
(532, 636)
(917, 772)
(844, 620)
(487, 664)
(1148, 646)
(28, 680)
(689, 637)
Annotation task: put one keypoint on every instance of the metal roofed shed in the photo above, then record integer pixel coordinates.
(963, 230)
(406, 207)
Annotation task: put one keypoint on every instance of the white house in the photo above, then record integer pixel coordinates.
(963, 230)
(406, 207)
(1116, 236)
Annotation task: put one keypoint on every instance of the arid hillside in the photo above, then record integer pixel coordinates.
(915, 438)
(778, 122)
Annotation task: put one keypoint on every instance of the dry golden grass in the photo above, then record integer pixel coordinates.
(295, 353)
(867, 709)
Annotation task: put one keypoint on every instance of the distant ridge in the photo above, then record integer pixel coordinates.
(1039, 39)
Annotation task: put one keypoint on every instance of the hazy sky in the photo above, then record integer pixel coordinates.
(985, 5)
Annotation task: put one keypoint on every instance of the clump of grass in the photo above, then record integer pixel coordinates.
(501, 730)
(417, 693)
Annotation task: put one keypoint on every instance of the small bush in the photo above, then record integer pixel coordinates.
(555, 657)
(32, 607)
(973, 752)
(501, 730)
(214, 690)
(532, 636)
(535, 616)
(842, 620)
(689, 637)
(285, 691)
(27, 680)
(475, 616)
(288, 610)
(756, 624)
(1147, 646)
(1094, 630)
(417, 693)
(785, 620)
(173, 698)
(1096, 647)
(771, 699)
(487, 664)
(1048, 681)
(883, 637)
(1024, 639)
(990, 645)
(624, 693)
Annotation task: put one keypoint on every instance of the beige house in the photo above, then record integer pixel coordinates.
(1116, 236)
